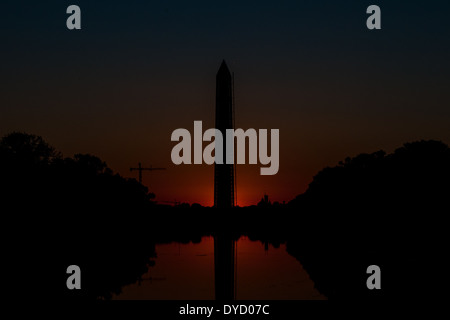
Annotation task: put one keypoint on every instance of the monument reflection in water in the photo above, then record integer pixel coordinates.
(224, 266)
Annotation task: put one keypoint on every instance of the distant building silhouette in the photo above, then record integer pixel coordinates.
(224, 173)
(265, 202)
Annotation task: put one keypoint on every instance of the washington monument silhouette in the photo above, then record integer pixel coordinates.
(224, 173)
(224, 244)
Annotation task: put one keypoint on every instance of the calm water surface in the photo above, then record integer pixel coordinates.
(186, 271)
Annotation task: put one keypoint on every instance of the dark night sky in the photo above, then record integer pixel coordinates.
(139, 70)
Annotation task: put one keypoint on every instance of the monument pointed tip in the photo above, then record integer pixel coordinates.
(223, 67)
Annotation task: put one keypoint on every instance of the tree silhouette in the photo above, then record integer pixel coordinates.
(19, 149)
(377, 208)
(72, 211)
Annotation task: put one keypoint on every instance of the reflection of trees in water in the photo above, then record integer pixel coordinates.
(335, 263)
(107, 270)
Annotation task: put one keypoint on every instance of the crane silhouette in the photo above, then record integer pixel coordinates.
(140, 169)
